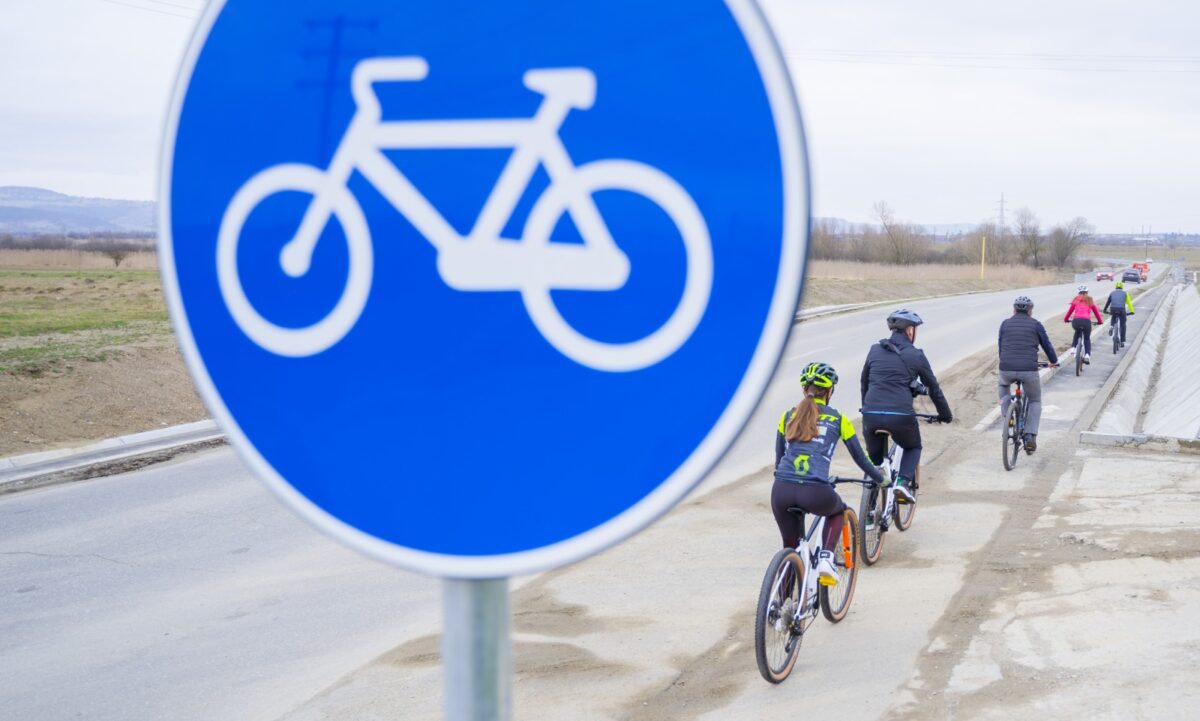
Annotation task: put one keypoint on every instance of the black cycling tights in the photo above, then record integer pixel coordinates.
(818, 498)
(905, 432)
(1083, 326)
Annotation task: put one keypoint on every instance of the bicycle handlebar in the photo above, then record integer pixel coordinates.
(835, 480)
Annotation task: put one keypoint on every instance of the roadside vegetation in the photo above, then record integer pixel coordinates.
(834, 282)
(86, 350)
(890, 240)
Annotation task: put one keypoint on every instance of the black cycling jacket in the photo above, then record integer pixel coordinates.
(886, 376)
(1019, 339)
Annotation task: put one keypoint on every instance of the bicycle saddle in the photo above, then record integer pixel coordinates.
(575, 86)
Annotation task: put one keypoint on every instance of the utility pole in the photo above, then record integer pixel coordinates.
(333, 53)
(1002, 216)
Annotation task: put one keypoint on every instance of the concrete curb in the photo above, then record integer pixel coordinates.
(34, 470)
(1140, 441)
(1089, 415)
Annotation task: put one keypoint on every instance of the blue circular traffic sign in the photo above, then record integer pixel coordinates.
(483, 288)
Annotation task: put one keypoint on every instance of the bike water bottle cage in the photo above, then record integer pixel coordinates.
(821, 375)
(903, 318)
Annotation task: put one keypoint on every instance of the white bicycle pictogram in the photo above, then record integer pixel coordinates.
(480, 260)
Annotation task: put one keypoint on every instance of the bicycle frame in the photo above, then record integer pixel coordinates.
(810, 548)
(479, 260)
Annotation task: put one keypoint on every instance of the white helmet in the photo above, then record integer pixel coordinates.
(1083, 288)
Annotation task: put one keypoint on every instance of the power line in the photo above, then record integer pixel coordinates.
(193, 8)
(1069, 57)
(143, 7)
(978, 66)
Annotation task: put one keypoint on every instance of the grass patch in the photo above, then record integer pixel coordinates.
(50, 319)
(37, 302)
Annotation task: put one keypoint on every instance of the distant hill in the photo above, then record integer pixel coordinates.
(37, 210)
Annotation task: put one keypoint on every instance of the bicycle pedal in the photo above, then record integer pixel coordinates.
(827, 581)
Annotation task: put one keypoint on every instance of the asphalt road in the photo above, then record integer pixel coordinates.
(186, 591)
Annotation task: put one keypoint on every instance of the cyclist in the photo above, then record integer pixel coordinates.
(1119, 305)
(895, 372)
(1079, 315)
(1020, 336)
(804, 446)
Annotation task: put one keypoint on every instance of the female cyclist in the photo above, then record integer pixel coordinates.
(804, 446)
(1079, 315)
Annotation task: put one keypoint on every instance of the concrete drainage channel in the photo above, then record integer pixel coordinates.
(1151, 401)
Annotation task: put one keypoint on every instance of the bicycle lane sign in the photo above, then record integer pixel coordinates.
(482, 290)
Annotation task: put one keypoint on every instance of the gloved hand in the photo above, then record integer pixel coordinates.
(947, 418)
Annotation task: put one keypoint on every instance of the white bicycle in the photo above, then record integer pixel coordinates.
(480, 260)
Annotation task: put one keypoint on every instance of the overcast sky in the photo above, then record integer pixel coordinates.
(1068, 107)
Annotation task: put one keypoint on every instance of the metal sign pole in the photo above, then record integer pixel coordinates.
(476, 650)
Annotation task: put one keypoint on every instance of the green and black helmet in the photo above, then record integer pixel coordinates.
(821, 375)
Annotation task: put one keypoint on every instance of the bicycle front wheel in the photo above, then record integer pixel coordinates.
(1010, 437)
(343, 209)
(778, 628)
(870, 523)
(835, 600)
(902, 513)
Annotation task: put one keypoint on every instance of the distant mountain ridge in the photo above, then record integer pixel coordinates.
(38, 210)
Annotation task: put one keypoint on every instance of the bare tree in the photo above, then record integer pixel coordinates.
(1066, 239)
(824, 242)
(904, 243)
(1030, 242)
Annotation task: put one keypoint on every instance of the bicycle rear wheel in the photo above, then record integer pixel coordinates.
(1112, 330)
(870, 523)
(1079, 357)
(777, 629)
(902, 513)
(1010, 439)
(835, 600)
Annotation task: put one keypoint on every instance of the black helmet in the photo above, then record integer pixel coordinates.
(903, 318)
(1022, 302)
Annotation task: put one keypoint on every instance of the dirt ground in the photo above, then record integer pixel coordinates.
(86, 355)
(137, 388)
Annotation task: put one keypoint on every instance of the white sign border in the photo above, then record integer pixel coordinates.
(789, 285)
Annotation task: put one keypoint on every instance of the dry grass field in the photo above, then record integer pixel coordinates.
(85, 353)
(833, 282)
(77, 259)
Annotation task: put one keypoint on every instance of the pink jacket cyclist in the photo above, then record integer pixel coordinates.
(1082, 306)
(1079, 315)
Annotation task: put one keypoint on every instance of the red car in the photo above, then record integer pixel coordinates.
(1104, 274)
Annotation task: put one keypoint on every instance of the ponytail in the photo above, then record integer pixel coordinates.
(803, 424)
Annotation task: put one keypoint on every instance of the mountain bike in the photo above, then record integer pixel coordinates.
(791, 594)
(1012, 431)
(1079, 347)
(878, 508)
(1114, 332)
(480, 260)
